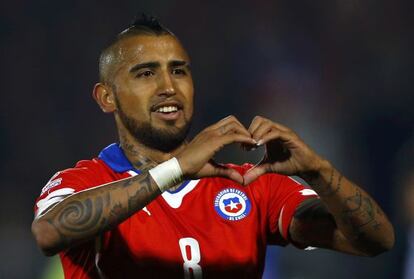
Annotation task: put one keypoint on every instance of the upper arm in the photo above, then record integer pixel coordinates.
(64, 184)
(313, 225)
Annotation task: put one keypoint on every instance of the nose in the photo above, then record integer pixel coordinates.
(166, 87)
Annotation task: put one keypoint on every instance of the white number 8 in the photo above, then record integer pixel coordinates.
(192, 260)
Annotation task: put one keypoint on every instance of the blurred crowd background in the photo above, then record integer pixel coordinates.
(337, 72)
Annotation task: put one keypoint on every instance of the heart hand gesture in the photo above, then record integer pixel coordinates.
(196, 160)
(285, 152)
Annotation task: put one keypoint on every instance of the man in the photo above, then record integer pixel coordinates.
(157, 206)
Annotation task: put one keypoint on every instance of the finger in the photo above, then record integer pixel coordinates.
(223, 125)
(233, 138)
(247, 133)
(263, 128)
(284, 168)
(232, 118)
(281, 127)
(232, 127)
(254, 173)
(224, 121)
(219, 123)
(255, 123)
(226, 172)
(259, 170)
(257, 120)
(275, 134)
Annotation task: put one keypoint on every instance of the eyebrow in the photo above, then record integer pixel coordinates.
(144, 65)
(173, 63)
(176, 63)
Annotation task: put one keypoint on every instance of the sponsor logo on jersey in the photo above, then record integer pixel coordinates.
(51, 184)
(232, 204)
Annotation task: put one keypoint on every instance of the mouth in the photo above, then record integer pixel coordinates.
(168, 110)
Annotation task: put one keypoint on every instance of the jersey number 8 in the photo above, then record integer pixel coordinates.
(190, 251)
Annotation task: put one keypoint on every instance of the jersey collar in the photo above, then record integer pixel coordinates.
(115, 158)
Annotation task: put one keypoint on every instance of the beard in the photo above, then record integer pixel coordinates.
(162, 139)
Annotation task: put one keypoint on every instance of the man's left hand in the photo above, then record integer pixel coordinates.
(285, 152)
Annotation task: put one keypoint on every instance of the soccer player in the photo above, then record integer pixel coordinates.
(157, 206)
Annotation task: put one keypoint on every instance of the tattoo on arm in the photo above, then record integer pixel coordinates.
(360, 226)
(330, 189)
(360, 213)
(144, 164)
(78, 217)
(146, 190)
(91, 212)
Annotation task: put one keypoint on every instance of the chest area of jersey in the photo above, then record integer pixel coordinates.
(208, 226)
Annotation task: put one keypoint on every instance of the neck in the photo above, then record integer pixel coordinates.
(141, 156)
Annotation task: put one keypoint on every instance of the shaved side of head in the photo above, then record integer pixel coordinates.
(112, 56)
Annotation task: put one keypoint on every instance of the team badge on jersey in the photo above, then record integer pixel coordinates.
(232, 204)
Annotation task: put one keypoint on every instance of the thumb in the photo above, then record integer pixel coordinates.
(226, 172)
(253, 173)
(262, 168)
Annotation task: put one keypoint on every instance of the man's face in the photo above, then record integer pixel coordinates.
(154, 90)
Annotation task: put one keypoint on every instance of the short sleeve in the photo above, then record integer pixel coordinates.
(65, 183)
(285, 194)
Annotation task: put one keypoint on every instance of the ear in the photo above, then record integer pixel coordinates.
(105, 98)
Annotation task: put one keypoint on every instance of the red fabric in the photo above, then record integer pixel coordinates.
(148, 243)
(85, 175)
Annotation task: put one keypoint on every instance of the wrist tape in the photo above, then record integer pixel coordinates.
(167, 174)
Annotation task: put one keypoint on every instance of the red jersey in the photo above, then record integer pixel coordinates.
(207, 228)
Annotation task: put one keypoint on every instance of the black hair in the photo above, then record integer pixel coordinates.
(142, 25)
(145, 24)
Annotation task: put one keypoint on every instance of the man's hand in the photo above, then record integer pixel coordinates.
(350, 219)
(285, 152)
(196, 158)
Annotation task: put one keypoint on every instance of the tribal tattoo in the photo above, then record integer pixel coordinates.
(91, 212)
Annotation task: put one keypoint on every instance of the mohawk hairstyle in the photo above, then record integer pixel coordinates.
(147, 24)
(142, 25)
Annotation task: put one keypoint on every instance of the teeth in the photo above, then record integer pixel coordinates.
(167, 109)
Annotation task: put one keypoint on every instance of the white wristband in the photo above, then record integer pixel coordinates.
(167, 174)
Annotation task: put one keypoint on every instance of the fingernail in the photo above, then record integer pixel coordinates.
(260, 142)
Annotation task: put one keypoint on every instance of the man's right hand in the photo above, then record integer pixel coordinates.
(196, 158)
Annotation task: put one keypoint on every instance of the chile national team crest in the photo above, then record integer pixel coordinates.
(232, 204)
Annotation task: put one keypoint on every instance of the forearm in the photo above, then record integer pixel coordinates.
(356, 214)
(91, 212)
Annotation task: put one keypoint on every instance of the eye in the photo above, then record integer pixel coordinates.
(179, 71)
(146, 73)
